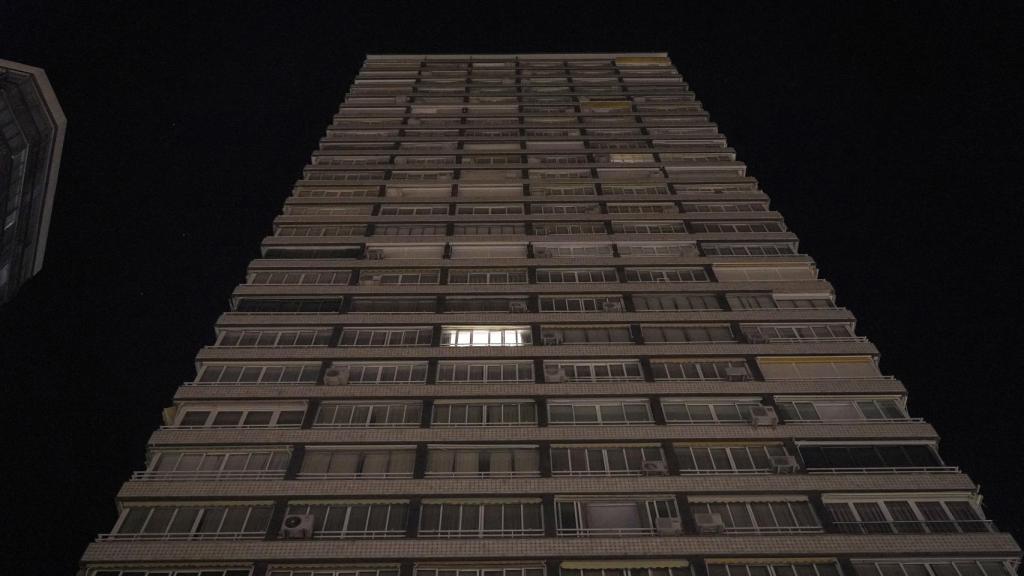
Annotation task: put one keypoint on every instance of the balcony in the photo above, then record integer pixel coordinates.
(915, 527)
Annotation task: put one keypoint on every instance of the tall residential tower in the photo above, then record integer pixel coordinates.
(526, 315)
(32, 127)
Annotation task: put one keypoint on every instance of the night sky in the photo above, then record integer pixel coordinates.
(889, 137)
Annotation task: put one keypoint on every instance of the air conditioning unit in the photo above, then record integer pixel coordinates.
(654, 468)
(763, 416)
(336, 376)
(371, 280)
(555, 374)
(297, 527)
(541, 252)
(669, 526)
(551, 339)
(611, 306)
(518, 307)
(784, 464)
(396, 193)
(736, 374)
(755, 337)
(708, 523)
(374, 254)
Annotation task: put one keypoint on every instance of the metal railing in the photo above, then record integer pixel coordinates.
(772, 530)
(372, 534)
(854, 420)
(915, 526)
(886, 470)
(774, 340)
(234, 427)
(494, 533)
(175, 475)
(622, 532)
(530, 423)
(252, 383)
(637, 472)
(489, 474)
(352, 475)
(729, 471)
(181, 536)
(319, 425)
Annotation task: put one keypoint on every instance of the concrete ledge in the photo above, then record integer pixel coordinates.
(997, 544)
(834, 432)
(690, 484)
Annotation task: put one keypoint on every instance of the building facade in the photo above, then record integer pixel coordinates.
(32, 127)
(526, 315)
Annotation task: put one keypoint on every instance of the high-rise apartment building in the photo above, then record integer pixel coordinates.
(32, 127)
(526, 315)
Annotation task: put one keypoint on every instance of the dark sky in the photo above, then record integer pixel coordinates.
(890, 137)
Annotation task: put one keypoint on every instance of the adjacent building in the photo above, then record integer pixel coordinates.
(527, 315)
(31, 139)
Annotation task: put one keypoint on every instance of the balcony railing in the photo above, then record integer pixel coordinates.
(915, 527)
(251, 383)
(903, 420)
(531, 423)
(175, 475)
(773, 530)
(729, 471)
(342, 534)
(181, 536)
(320, 425)
(622, 532)
(493, 533)
(597, 472)
(235, 427)
(887, 470)
(352, 475)
(489, 474)
(775, 340)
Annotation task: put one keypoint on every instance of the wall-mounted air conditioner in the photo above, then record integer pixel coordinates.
(784, 464)
(654, 468)
(555, 374)
(763, 416)
(669, 526)
(297, 527)
(737, 374)
(708, 523)
(336, 376)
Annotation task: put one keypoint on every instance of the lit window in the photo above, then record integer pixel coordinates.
(485, 336)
